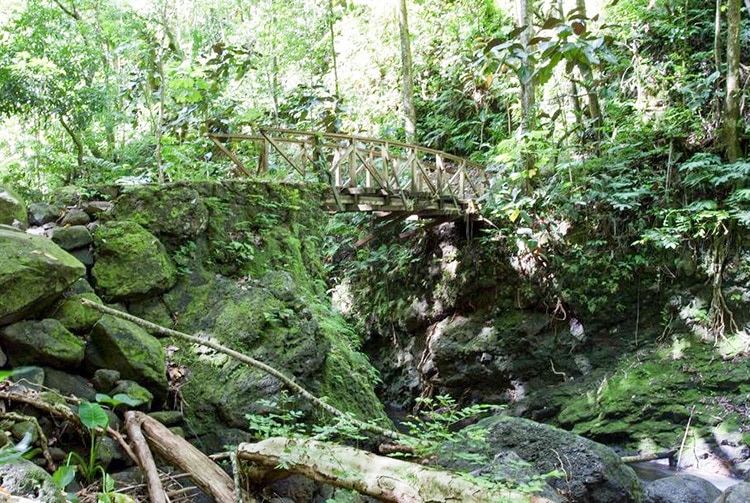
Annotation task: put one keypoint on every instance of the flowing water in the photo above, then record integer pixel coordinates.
(649, 471)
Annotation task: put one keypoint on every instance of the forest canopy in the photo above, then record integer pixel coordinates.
(625, 119)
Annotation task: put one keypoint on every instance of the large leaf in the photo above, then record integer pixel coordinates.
(92, 415)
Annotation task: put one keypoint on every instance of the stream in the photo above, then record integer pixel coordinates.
(649, 471)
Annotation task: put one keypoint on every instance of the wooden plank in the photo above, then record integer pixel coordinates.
(230, 154)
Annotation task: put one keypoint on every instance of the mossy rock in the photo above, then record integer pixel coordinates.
(12, 206)
(74, 316)
(130, 262)
(33, 273)
(24, 478)
(72, 237)
(174, 212)
(45, 342)
(123, 346)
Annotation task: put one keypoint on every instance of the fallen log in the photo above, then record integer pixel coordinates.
(649, 457)
(385, 478)
(145, 459)
(176, 450)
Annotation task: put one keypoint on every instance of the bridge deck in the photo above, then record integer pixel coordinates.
(365, 174)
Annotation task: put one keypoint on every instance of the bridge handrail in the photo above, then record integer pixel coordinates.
(364, 165)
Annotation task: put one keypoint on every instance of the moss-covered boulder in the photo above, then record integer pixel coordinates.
(74, 316)
(12, 206)
(592, 472)
(274, 321)
(34, 271)
(123, 346)
(24, 478)
(130, 262)
(44, 213)
(45, 342)
(176, 213)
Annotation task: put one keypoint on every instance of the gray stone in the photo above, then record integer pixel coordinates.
(45, 342)
(130, 262)
(593, 472)
(72, 237)
(69, 384)
(123, 346)
(75, 216)
(105, 379)
(81, 286)
(12, 207)
(96, 208)
(739, 493)
(85, 256)
(33, 273)
(24, 478)
(681, 489)
(44, 213)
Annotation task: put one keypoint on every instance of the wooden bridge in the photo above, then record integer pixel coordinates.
(365, 174)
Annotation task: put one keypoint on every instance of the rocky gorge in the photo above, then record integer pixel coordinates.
(240, 263)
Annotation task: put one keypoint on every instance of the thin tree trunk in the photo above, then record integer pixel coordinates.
(717, 36)
(331, 19)
(732, 104)
(588, 78)
(525, 9)
(407, 81)
(74, 173)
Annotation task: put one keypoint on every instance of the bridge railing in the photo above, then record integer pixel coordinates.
(357, 164)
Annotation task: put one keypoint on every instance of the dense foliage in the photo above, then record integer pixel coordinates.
(622, 162)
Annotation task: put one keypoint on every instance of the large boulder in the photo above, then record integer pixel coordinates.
(12, 207)
(45, 342)
(74, 316)
(24, 478)
(593, 472)
(176, 213)
(739, 493)
(72, 237)
(123, 346)
(130, 262)
(34, 271)
(681, 489)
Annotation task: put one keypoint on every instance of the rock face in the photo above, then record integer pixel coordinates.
(593, 472)
(12, 207)
(34, 271)
(120, 345)
(735, 494)
(130, 262)
(681, 489)
(45, 342)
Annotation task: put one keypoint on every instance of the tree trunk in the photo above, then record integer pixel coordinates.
(732, 103)
(717, 35)
(407, 81)
(74, 173)
(524, 12)
(384, 478)
(588, 78)
(331, 19)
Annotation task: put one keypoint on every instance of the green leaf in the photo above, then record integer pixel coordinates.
(92, 415)
(63, 476)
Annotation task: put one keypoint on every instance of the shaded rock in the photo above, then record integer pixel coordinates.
(135, 391)
(24, 478)
(739, 493)
(80, 286)
(21, 428)
(123, 346)
(167, 417)
(69, 384)
(72, 237)
(681, 489)
(74, 316)
(97, 208)
(130, 262)
(175, 213)
(12, 207)
(85, 256)
(105, 379)
(45, 342)
(75, 216)
(33, 273)
(31, 378)
(593, 472)
(44, 213)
